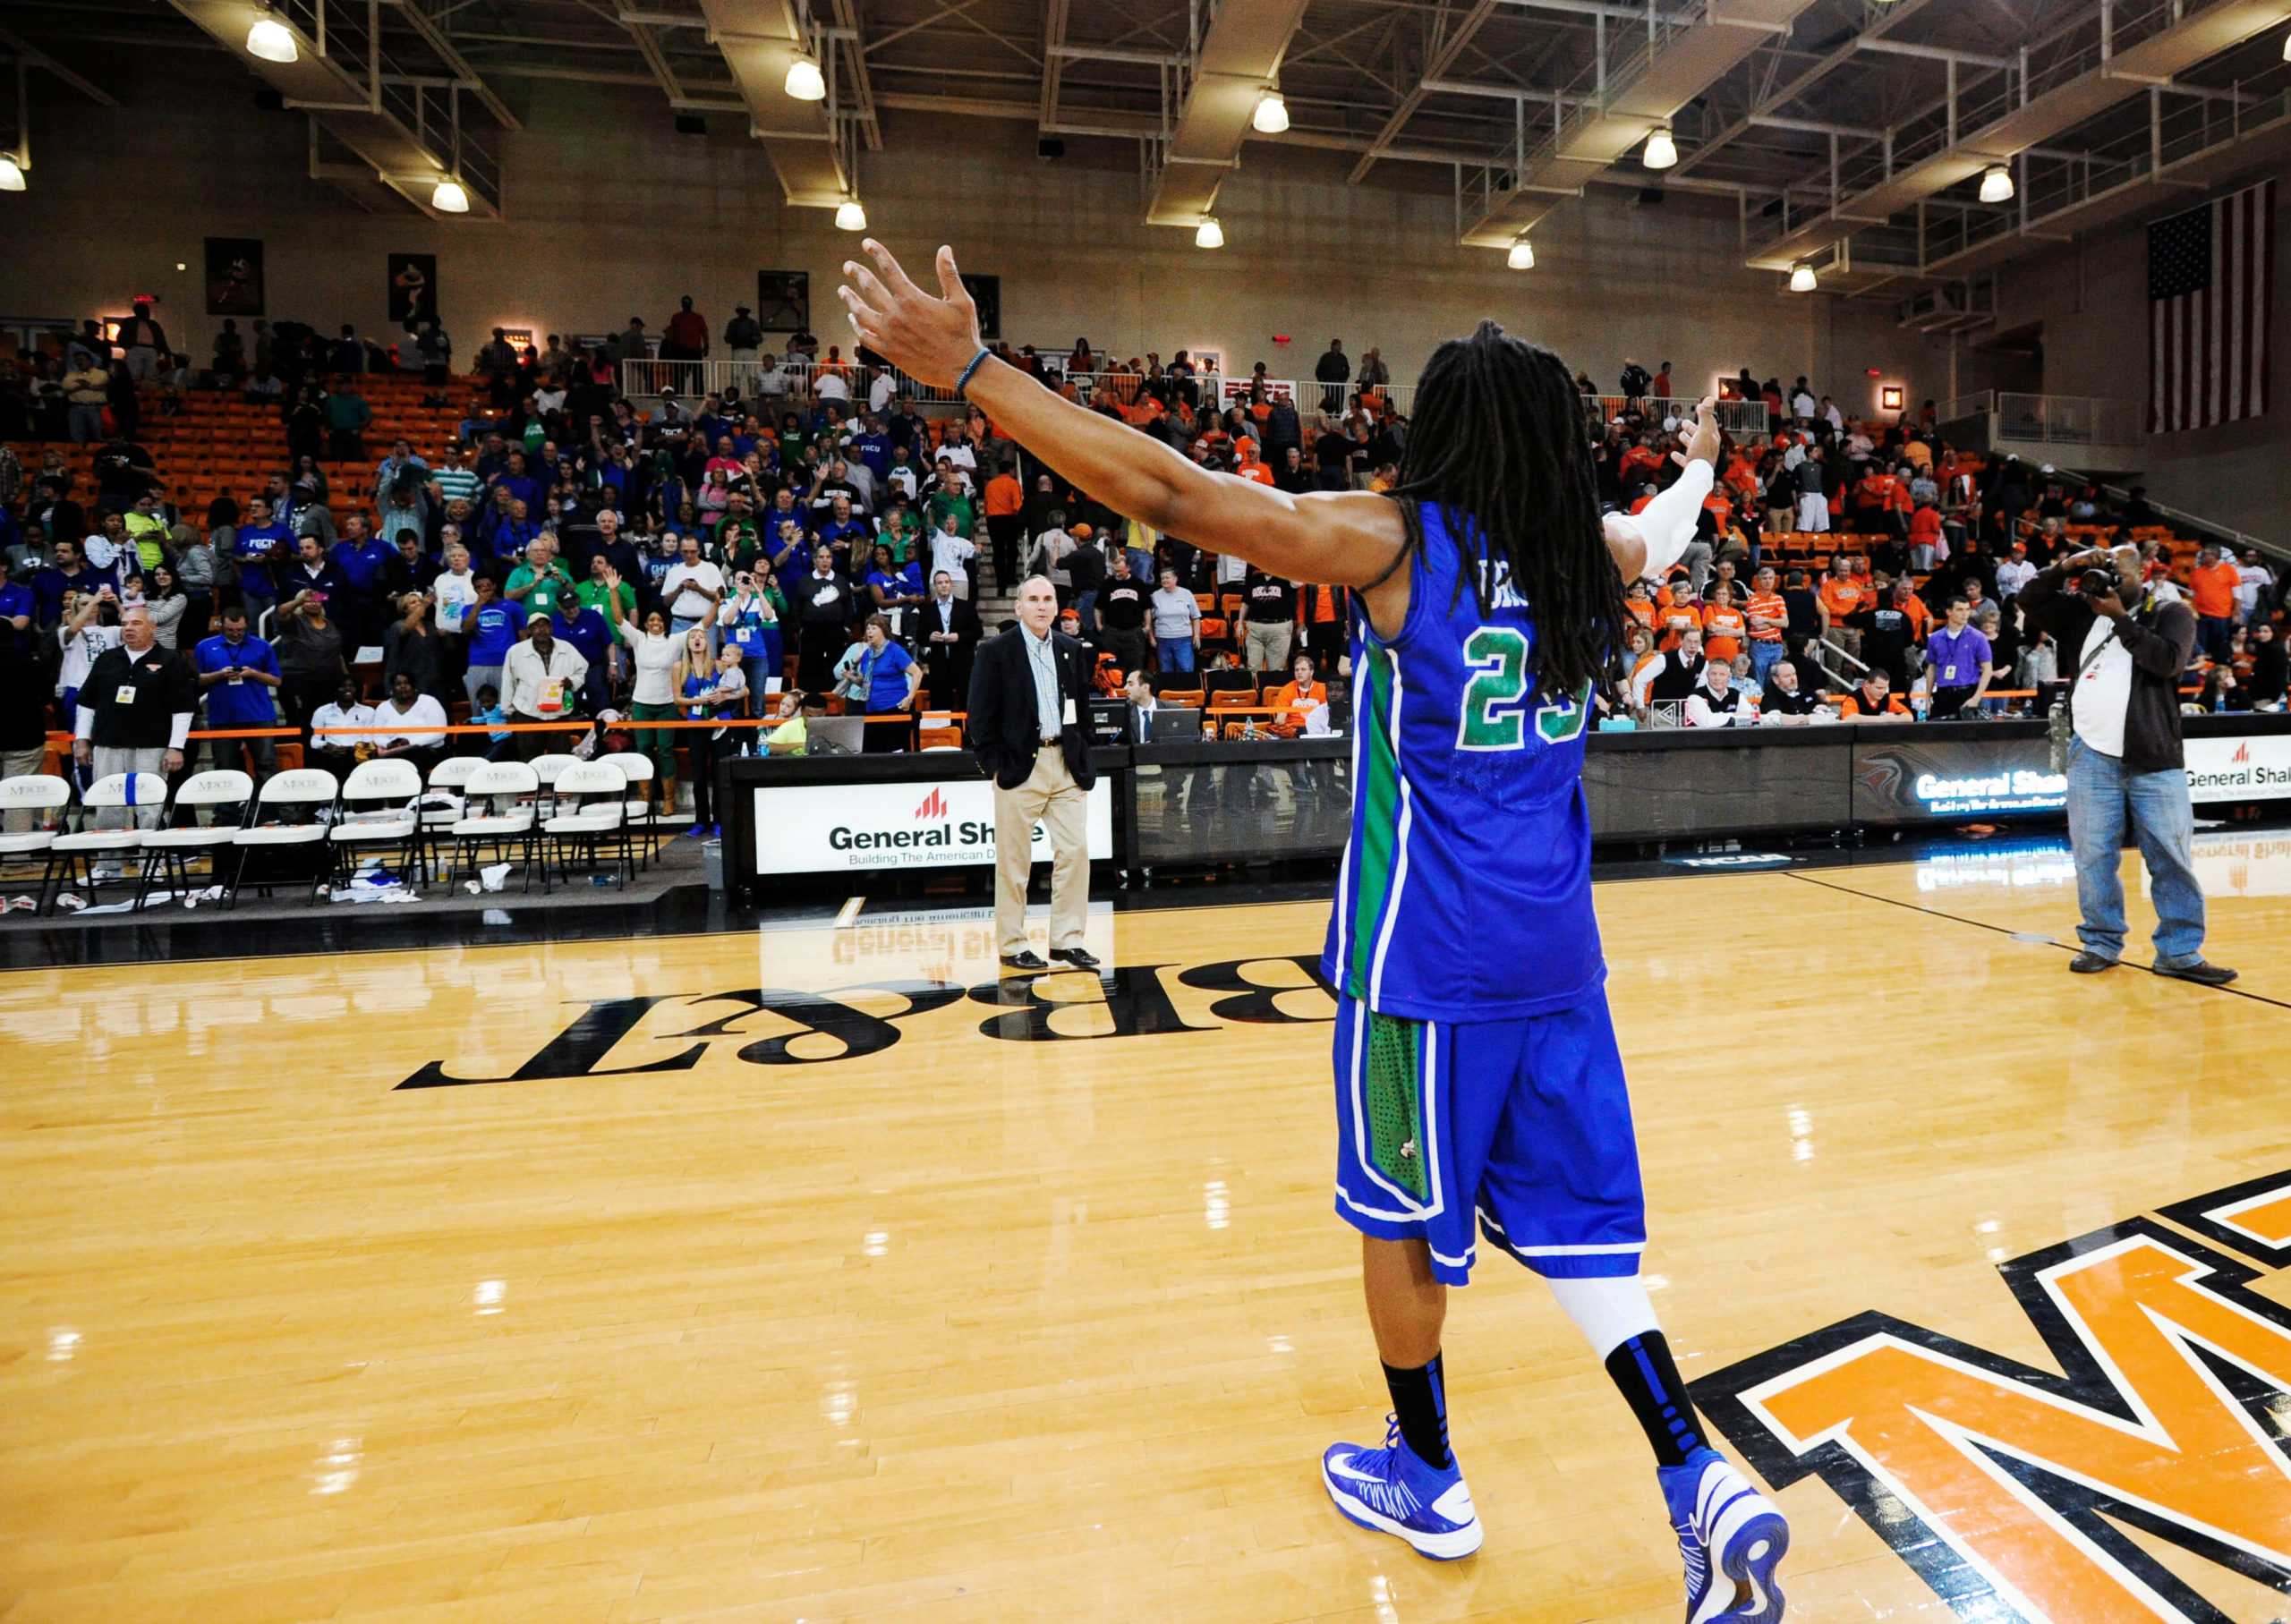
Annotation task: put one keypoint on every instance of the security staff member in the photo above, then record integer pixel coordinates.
(1271, 621)
(134, 713)
(1027, 694)
(1121, 613)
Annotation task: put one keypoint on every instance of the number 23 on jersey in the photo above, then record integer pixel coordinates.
(1494, 712)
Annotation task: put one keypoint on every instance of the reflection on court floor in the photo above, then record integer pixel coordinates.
(824, 1271)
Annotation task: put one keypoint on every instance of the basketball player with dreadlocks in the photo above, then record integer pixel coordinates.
(1476, 1072)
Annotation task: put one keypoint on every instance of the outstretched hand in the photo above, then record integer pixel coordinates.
(929, 339)
(1702, 444)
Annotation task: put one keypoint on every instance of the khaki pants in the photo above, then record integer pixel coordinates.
(23, 764)
(1049, 794)
(1268, 643)
(110, 759)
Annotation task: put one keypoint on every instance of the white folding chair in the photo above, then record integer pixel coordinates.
(38, 794)
(485, 819)
(167, 852)
(271, 843)
(377, 811)
(589, 826)
(637, 767)
(546, 768)
(117, 792)
(452, 777)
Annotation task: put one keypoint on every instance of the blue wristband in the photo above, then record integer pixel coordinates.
(971, 370)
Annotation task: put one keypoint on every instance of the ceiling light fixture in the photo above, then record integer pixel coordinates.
(1802, 277)
(1662, 152)
(1271, 115)
(12, 173)
(1996, 184)
(448, 198)
(850, 216)
(1522, 257)
(1209, 233)
(804, 81)
(271, 39)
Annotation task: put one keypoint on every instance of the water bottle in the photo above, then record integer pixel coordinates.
(1920, 704)
(1249, 728)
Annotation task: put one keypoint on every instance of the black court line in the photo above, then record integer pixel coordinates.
(1982, 925)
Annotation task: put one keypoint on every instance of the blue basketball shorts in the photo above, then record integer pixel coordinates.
(1523, 1125)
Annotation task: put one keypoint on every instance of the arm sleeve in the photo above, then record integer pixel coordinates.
(1665, 525)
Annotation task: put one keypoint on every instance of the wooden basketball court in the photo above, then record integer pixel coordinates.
(803, 1273)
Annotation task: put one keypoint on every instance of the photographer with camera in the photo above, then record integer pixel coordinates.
(2119, 728)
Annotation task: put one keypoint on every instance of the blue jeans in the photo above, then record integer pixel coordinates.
(1764, 656)
(2101, 794)
(1085, 610)
(1176, 653)
(2215, 636)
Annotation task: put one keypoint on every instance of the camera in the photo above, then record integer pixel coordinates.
(2099, 581)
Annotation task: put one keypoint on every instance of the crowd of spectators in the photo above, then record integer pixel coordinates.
(567, 553)
(1843, 569)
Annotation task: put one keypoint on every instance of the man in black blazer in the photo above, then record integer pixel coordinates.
(1029, 691)
(948, 632)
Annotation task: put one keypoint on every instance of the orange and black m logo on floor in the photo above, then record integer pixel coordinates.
(2145, 1479)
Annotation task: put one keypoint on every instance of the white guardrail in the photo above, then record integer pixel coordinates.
(810, 381)
(806, 382)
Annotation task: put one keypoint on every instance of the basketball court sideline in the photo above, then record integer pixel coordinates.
(815, 1272)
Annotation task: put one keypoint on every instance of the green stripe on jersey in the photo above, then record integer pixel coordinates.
(1376, 857)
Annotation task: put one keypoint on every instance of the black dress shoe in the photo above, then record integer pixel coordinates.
(2202, 973)
(1081, 958)
(1027, 960)
(2090, 964)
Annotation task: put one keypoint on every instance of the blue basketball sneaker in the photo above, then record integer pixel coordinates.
(1392, 1490)
(1732, 1540)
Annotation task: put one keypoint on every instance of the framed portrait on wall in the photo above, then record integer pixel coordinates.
(986, 293)
(412, 289)
(234, 275)
(783, 301)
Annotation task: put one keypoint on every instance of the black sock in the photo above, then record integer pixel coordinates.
(1642, 1369)
(1420, 1401)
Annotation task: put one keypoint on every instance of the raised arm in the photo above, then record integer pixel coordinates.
(1646, 543)
(1348, 538)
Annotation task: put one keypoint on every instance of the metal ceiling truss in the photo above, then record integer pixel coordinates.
(1825, 120)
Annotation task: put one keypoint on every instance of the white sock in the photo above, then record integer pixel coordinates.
(1609, 1310)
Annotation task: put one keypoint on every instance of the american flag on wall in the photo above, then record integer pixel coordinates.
(2211, 271)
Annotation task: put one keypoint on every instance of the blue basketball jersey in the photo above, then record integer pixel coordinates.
(1466, 890)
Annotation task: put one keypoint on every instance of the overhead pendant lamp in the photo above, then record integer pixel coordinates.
(1209, 233)
(1271, 115)
(12, 173)
(1996, 185)
(1522, 257)
(804, 81)
(850, 216)
(1802, 277)
(449, 198)
(1662, 152)
(271, 39)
